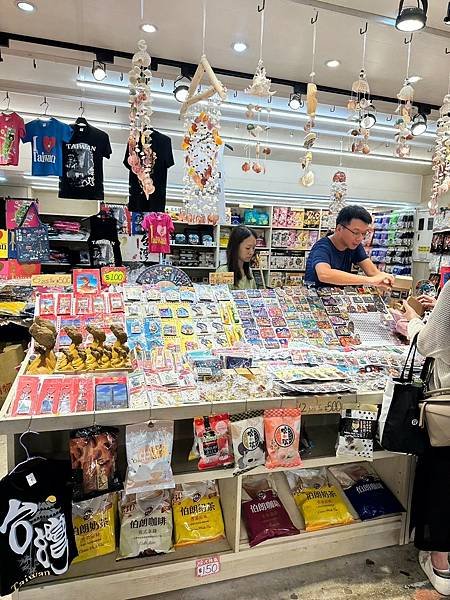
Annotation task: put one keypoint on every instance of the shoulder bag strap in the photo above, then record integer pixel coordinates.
(438, 392)
(412, 350)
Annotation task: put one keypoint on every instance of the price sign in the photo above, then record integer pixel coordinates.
(320, 406)
(114, 275)
(207, 566)
(221, 278)
(51, 280)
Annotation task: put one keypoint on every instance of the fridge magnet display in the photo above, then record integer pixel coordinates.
(86, 281)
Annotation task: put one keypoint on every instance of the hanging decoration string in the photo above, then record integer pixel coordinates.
(142, 10)
(448, 90)
(261, 38)
(313, 73)
(364, 50)
(204, 29)
(340, 153)
(409, 58)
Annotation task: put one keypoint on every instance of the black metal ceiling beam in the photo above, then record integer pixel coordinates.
(6, 37)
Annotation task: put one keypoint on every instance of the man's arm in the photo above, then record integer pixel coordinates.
(372, 270)
(335, 277)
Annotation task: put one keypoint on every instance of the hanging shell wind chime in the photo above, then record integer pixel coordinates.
(338, 197)
(141, 157)
(441, 157)
(404, 110)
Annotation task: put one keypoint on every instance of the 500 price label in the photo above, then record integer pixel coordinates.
(207, 566)
(320, 406)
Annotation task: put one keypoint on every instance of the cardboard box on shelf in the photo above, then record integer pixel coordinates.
(10, 358)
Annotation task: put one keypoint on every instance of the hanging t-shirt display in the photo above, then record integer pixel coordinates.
(36, 531)
(158, 226)
(162, 147)
(47, 138)
(104, 245)
(82, 172)
(12, 130)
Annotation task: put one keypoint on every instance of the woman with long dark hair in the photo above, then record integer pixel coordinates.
(240, 251)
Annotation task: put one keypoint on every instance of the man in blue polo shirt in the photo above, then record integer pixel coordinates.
(331, 259)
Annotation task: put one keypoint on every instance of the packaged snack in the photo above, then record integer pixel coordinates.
(149, 453)
(247, 433)
(367, 493)
(94, 526)
(213, 441)
(282, 432)
(146, 524)
(357, 429)
(197, 513)
(320, 503)
(264, 515)
(93, 454)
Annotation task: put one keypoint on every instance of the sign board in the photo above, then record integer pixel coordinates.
(207, 566)
(226, 277)
(51, 280)
(114, 275)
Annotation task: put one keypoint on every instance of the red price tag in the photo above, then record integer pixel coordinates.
(114, 275)
(207, 566)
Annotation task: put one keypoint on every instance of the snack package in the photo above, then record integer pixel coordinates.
(94, 525)
(320, 503)
(146, 524)
(367, 493)
(247, 434)
(149, 453)
(197, 513)
(282, 432)
(264, 515)
(93, 453)
(213, 441)
(357, 430)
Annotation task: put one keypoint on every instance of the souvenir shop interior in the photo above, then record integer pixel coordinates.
(161, 426)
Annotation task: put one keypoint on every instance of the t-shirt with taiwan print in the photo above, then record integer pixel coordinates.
(12, 130)
(159, 227)
(82, 175)
(36, 531)
(47, 138)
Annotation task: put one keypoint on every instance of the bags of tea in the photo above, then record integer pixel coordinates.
(247, 434)
(94, 525)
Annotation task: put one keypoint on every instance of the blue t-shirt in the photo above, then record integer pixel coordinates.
(324, 251)
(46, 139)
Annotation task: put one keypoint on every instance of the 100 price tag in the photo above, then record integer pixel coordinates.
(207, 566)
(114, 275)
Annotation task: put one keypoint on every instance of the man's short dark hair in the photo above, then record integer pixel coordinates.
(348, 213)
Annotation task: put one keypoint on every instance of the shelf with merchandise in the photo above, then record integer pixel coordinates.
(199, 246)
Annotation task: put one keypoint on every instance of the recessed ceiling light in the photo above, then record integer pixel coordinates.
(26, 6)
(414, 78)
(240, 46)
(333, 63)
(149, 28)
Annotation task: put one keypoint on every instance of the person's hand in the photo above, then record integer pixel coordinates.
(428, 302)
(409, 312)
(384, 280)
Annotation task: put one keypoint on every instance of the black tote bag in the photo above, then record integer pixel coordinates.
(399, 429)
(32, 243)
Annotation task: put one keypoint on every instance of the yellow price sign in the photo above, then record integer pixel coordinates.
(114, 275)
(226, 277)
(52, 280)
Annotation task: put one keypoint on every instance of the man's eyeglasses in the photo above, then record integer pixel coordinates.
(358, 234)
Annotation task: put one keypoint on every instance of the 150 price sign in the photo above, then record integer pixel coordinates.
(207, 566)
(114, 275)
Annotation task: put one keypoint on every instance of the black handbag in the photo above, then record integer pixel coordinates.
(32, 244)
(399, 427)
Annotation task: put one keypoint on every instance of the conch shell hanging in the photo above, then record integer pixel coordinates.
(261, 83)
(361, 86)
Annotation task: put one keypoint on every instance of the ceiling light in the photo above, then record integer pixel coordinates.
(415, 78)
(180, 89)
(26, 6)
(149, 28)
(333, 63)
(447, 17)
(295, 101)
(412, 18)
(419, 124)
(367, 120)
(98, 70)
(239, 47)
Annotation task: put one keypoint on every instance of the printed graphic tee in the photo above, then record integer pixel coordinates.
(12, 130)
(159, 227)
(104, 244)
(82, 173)
(36, 532)
(137, 202)
(47, 138)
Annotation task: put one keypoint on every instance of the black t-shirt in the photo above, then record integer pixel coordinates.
(82, 172)
(36, 532)
(104, 245)
(162, 147)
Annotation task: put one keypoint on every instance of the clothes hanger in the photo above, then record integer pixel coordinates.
(27, 452)
(44, 116)
(8, 102)
(81, 121)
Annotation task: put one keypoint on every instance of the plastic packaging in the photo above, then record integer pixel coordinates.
(247, 433)
(213, 441)
(94, 525)
(282, 431)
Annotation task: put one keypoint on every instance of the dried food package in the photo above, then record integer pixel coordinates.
(94, 525)
(149, 454)
(214, 443)
(93, 454)
(247, 434)
(146, 524)
(197, 513)
(357, 429)
(320, 503)
(264, 515)
(365, 490)
(282, 432)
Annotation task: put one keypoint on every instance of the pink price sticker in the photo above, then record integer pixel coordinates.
(207, 566)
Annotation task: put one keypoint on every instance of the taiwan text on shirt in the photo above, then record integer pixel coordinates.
(47, 138)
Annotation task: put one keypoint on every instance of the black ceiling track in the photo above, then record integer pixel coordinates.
(107, 55)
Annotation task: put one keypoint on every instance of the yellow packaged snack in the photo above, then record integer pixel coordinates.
(94, 526)
(320, 503)
(197, 513)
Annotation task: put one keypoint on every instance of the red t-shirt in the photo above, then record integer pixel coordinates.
(12, 130)
(159, 227)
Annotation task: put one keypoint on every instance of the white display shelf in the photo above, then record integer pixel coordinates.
(249, 226)
(198, 246)
(195, 268)
(296, 228)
